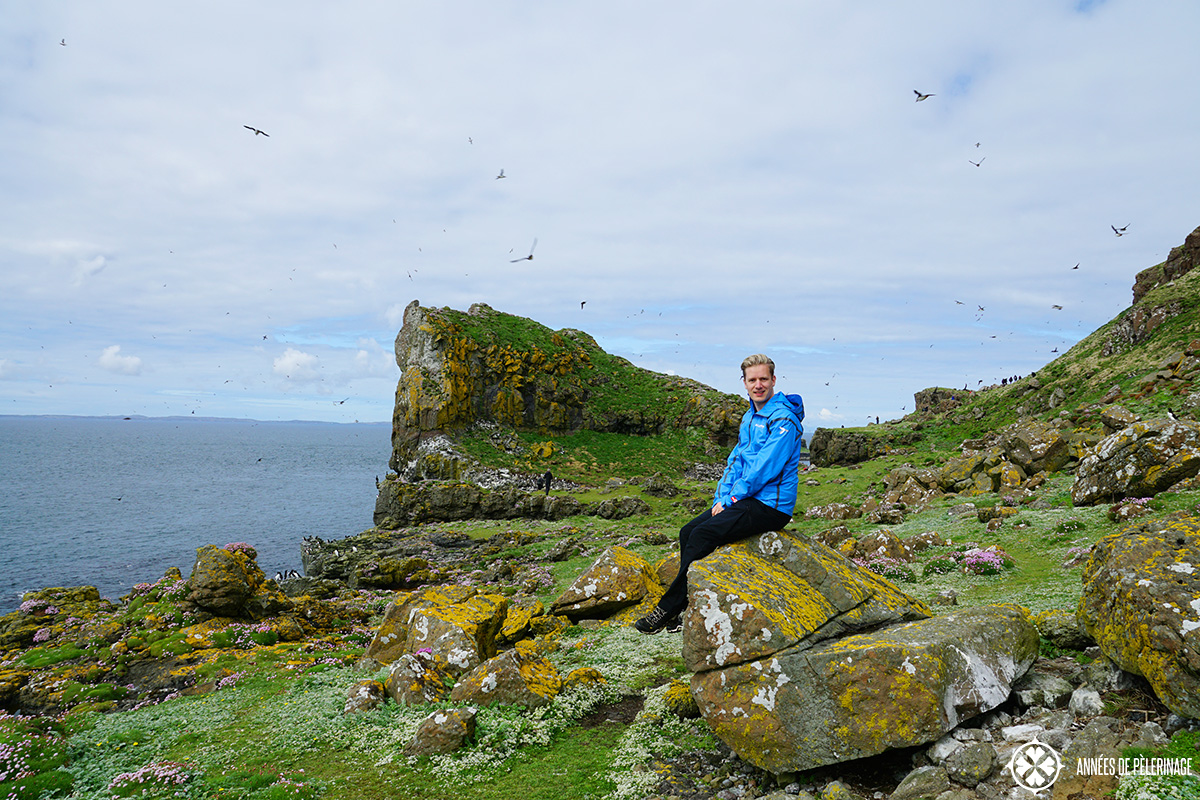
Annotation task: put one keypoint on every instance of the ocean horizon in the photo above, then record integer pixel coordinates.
(112, 501)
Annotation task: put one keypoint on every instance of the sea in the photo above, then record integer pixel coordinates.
(112, 502)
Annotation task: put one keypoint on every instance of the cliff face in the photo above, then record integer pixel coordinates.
(458, 369)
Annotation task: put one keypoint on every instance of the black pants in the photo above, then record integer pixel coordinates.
(706, 533)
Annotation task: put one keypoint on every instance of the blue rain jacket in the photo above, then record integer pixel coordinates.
(765, 463)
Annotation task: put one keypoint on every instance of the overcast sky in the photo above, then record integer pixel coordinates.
(712, 179)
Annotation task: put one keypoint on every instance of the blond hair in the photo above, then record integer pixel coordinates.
(755, 360)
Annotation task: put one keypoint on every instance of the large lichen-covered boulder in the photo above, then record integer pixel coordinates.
(520, 676)
(222, 581)
(1035, 446)
(859, 695)
(618, 578)
(395, 635)
(1138, 461)
(464, 633)
(756, 597)
(1141, 603)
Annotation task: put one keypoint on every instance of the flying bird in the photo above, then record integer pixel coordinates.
(1075, 267)
(501, 175)
(920, 96)
(1057, 307)
(960, 302)
(1118, 231)
(257, 132)
(64, 44)
(581, 302)
(977, 163)
(528, 257)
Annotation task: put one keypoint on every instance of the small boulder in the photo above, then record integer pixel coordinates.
(519, 617)
(420, 678)
(519, 677)
(617, 579)
(443, 732)
(1062, 629)
(364, 696)
(223, 580)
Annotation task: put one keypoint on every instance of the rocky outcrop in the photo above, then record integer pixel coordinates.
(832, 447)
(1141, 603)
(1182, 260)
(1142, 460)
(462, 369)
(801, 658)
(938, 400)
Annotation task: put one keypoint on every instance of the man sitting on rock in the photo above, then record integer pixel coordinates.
(757, 492)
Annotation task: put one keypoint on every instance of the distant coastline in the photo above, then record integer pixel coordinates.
(188, 418)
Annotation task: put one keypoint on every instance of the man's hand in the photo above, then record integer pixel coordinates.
(717, 508)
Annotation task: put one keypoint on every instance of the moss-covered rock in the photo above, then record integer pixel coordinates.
(1141, 603)
(222, 581)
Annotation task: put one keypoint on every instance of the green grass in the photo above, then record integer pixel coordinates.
(592, 457)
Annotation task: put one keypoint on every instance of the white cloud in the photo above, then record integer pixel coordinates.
(112, 360)
(296, 365)
(85, 269)
(825, 415)
(373, 361)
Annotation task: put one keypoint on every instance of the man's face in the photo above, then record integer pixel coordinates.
(760, 384)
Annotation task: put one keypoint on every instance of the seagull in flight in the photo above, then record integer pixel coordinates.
(501, 175)
(64, 44)
(1118, 231)
(977, 163)
(920, 96)
(1057, 307)
(581, 302)
(528, 257)
(257, 132)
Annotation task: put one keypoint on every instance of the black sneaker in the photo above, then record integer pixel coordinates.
(674, 624)
(653, 622)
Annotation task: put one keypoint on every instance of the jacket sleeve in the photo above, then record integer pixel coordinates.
(772, 458)
(733, 464)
